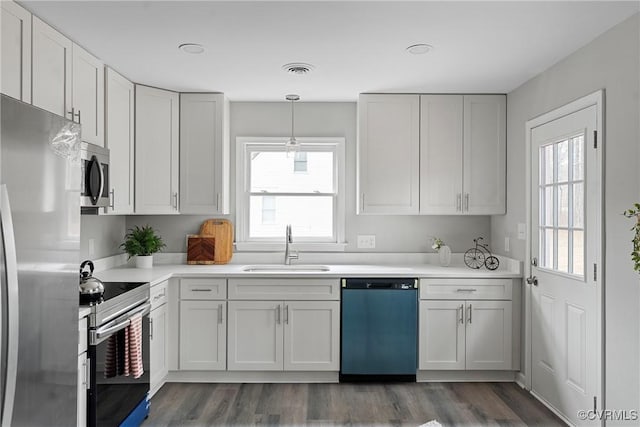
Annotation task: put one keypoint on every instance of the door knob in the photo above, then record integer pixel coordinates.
(532, 280)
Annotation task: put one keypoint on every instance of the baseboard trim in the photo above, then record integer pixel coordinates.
(252, 377)
(466, 376)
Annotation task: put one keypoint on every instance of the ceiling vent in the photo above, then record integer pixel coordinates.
(298, 68)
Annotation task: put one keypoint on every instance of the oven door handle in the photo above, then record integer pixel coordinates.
(118, 324)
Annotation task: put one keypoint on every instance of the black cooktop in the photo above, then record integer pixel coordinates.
(114, 289)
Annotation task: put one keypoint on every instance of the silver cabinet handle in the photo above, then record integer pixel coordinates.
(470, 313)
(218, 202)
(78, 116)
(362, 208)
(201, 290)
(87, 374)
(459, 202)
(150, 328)
(175, 201)
(112, 202)
(278, 314)
(466, 290)
(72, 113)
(286, 314)
(220, 319)
(461, 314)
(466, 202)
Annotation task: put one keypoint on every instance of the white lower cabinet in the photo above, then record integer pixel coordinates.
(284, 335)
(465, 334)
(159, 367)
(202, 335)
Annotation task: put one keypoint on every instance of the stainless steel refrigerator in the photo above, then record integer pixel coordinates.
(39, 256)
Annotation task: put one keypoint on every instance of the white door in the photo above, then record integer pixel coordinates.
(51, 70)
(15, 51)
(442, 335)
(203, 335)
(565, 237)
(255, 336)
(488, 335)
(158, 351)
(88, 95)
(119, 107)
(311, 335)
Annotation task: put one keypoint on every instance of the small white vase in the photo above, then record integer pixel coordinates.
(144, 261)
(445, 255)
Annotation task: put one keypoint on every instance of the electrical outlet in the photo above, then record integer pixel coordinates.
(366, 241)
(92, 247)
(522, 231)
(507, 244)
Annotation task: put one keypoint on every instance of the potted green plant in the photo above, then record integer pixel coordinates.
(142, 242)
(635, 253)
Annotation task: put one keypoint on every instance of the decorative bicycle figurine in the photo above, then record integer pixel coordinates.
(475, 257)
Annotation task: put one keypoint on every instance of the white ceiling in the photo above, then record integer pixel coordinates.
(355, 46)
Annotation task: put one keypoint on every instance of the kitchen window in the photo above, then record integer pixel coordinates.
(304, 188)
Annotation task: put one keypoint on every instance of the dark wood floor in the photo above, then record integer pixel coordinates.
(409, 404)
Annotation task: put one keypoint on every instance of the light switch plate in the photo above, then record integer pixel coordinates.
(366, 241)
(507, 244)
(92, 247)
(522, 231)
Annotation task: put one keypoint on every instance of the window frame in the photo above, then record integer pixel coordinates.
(244, 146)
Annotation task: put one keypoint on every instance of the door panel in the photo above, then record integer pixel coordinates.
(488, 335)
(564, 240)
(442, 335)
(202, 335)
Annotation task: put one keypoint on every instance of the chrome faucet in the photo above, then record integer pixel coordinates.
(288, 254)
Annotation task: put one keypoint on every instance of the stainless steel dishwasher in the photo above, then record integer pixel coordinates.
(379, 329)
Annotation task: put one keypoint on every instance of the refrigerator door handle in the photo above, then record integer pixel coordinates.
(11, 271)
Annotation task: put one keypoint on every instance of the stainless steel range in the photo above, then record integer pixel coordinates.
(117, 399)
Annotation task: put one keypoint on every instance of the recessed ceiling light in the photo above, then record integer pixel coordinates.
(299, 68)
(191, 48)
(419, 49)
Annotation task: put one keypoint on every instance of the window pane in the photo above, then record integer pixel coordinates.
(563, 251)
(563, 205)
(546, 247)
(548, 164)
(548, 206)
(578, 157)
(274, 171)
(309, 216)
(578, 205)
(578, 252)
(563, 161)
(300, 162)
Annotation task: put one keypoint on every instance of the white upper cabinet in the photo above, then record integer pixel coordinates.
(204, 154)
(88, 95)
(15, 49)
(462, 154)
(485, 150)
(441, 154)
(156, 153)
(119, 105)
(51, 69)
(388, 154)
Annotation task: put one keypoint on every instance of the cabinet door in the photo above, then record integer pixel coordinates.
(204, 154)
(203, 337)
(158, 367)
(15, 51)
(51, 69)
(156, 156)
(441, 154)
(88, 95)
(488, 335)
(255, 336)
(119, 140)
(441, 335)
(484, 154)
(311, 335)
(83, 381)
(388, 154)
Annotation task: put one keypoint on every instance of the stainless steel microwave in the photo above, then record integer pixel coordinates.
(95, 177)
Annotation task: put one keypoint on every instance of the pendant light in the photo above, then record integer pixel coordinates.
(292, 144)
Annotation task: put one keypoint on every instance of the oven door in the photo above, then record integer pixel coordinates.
(112, 401)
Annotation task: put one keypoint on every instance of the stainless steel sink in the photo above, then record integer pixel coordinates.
(274, 268)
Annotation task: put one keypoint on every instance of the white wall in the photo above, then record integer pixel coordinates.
(393, 233)
(610, 62)
(106, 231)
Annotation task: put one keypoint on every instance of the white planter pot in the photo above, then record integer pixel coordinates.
(445, 256)
(144, 261)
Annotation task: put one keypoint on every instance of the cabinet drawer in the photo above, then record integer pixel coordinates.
(82, 335)
(466, 289)
(284, 289)
(203, 289)
(158, 295)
